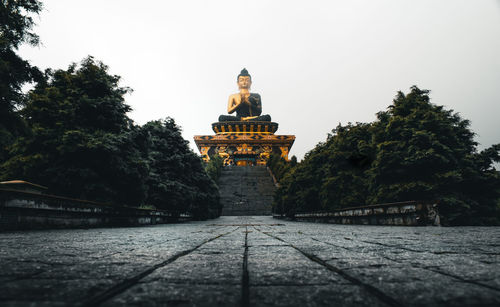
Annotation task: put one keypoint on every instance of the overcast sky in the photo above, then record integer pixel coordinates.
(315, 63)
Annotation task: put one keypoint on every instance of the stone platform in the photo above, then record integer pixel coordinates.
(244, 143)
(252, 261)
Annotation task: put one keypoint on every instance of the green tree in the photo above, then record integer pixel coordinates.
(279, 166)
(80, 143)
(299, 189)
(332, 175)
(177, 180)
(427, 152)
(16, 23)
(348, 155)
(214, 167)
(414, 151)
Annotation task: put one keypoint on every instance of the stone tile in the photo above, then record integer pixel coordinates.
(418, 287)
(413, 265)
(201, 268)
(159, 293)
(317, 295)
(58, 290)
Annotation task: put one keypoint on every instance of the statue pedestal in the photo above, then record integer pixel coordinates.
(244, 143)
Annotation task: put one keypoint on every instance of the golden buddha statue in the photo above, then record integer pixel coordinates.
(248, 106)
(247, 137)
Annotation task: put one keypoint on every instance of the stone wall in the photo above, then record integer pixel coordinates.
(26, 210)
(410, 213)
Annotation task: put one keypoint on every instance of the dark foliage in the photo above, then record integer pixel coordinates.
(279, 166)
(81, 143)
(214, 167)
(177, 180)
(16, 23)
(414, 151)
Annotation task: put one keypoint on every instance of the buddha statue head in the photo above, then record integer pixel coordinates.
(244, 79)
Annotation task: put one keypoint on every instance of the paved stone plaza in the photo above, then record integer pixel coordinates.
(252, 261)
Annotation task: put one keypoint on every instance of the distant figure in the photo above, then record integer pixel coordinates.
(248, 106)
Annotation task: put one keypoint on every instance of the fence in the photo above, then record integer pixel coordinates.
(409, 213)
(28, 210)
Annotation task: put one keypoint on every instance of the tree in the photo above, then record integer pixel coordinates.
(427, 152)
(214, 167)
(80, 144)
(279, 166)
(414, 151)
(348, 155)
(177, 180)
(83, 145)
(16, 23)
(332, 175)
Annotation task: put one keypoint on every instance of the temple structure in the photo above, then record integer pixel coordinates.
(247, 138)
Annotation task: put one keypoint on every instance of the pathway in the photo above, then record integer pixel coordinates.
(252, 261)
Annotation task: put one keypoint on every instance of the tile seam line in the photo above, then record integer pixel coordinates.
(133, 249)
(438, 271)
(124, 285)
(459, 278)
(371, 289)
(245, 280)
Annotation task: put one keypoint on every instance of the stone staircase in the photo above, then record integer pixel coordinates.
(246, 190)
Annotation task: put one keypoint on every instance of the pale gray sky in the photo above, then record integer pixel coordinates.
(315, 63)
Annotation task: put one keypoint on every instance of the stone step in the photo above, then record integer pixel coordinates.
(246, 190)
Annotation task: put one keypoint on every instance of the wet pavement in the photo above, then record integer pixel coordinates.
(252, 261)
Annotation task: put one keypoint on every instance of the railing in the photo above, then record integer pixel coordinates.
(27, 210)
(409, 213)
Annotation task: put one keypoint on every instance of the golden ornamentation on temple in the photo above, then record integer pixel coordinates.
(246, 138)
